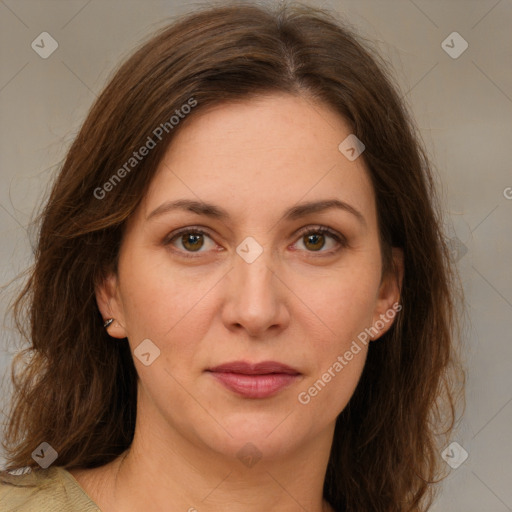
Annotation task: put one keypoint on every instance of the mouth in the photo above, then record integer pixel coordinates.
(260, 380)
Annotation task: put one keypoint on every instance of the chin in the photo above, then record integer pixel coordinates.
(266, 434)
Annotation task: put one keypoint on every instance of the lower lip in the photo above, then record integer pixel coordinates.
(255, 386)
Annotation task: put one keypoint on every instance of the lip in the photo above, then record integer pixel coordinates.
(255, 380)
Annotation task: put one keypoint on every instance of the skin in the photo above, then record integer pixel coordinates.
(293, 304)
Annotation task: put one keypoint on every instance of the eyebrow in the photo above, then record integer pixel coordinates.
(293, 213)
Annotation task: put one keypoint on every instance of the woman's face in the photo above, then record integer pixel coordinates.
(260, 283)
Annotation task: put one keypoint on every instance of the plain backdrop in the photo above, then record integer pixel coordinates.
(463, 107)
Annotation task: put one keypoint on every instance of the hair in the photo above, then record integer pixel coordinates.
(77, 390)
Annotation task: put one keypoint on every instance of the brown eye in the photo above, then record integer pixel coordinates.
(192, 241)
(321, 237)
(189, 241)
(314, 241)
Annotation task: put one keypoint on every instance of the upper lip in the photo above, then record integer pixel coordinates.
(263, 368)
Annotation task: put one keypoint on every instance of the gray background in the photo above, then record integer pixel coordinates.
(463, 107)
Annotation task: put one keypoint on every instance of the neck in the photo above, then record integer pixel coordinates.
(186, 477)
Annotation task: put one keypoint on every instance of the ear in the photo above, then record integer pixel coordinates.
(388, 298)
(110, 305)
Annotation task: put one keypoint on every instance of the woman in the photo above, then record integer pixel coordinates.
(241, 297)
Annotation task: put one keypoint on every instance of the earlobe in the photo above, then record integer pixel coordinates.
(110, 306)
(388, 300)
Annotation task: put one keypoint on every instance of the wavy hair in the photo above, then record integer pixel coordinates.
(77, 390)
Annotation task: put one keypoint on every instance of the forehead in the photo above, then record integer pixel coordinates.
(260, 155)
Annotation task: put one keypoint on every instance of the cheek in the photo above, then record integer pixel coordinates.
(345, 300)
(345, 309)
(172, 307)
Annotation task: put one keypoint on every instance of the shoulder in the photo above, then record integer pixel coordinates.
(42, 490)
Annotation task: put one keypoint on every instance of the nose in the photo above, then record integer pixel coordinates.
(256, 299)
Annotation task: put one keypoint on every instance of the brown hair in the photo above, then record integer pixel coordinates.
(78, 390)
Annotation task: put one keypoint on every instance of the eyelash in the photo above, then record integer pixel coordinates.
(309, 230)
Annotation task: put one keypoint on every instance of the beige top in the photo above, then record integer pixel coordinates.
(43, 490)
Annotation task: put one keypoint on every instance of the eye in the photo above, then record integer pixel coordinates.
(315, 239)
(191, 240)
